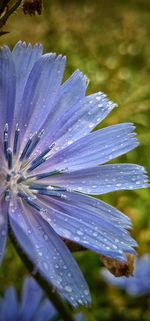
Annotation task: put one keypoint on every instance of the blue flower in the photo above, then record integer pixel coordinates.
(32, 306)
(136, 285)
(50, 159)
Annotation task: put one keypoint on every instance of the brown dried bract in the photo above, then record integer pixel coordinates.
(73, 247)
(118, 268)
(32, 7)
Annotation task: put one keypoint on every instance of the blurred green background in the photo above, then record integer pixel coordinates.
(110, 42)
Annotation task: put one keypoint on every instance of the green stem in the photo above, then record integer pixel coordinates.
(54, 297)
(4, 17)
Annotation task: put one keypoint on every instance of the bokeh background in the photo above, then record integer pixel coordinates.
(109, 40)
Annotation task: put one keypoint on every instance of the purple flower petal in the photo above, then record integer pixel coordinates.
(83, 118)
(10, 304)
(116, 281)
(24, 59)
(41, 91)
(32, 306)
(46, 312)
(89, 222)
(49, 253)
(72, 92)
(3, 227)
(103, 146)
(102, 179)
(30, 290)
(7, 88)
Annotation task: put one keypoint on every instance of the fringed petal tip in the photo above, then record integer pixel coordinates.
(101, 97)
(23, 45)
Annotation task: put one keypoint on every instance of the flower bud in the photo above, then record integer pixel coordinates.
(32, 7)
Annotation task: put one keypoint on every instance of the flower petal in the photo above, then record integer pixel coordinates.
(102, 179)
(69, 100)
(30, 289)
(51, 256)
(89, 222)
(41, 91)
(24, 58)
(96, 148)
(110, 278)
(46, 312)
(10, 304)
(3, 227)
(2, 309)
(7, 88)
(90, 111)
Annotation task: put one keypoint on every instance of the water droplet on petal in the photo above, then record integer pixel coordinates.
(3, 233)
(86, 292)
(45, 265)
(68, 288)
(45, 237)
(80, 232)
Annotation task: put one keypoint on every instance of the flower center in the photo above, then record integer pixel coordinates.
(18, 177)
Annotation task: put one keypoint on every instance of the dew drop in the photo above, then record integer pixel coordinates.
(114, 246)
(3, 233)
(95, 234)
(91, 125)
(68, 288)
(86, 292)
(80, 232)
(45, 237)
(45, 266)
(76, 238)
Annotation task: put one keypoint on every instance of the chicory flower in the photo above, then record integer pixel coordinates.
(32, 305)
(50, 159)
